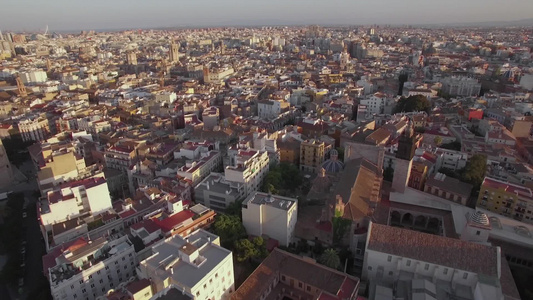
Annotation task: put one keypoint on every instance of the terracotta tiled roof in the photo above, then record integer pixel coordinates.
(453, 253)
(330, 281)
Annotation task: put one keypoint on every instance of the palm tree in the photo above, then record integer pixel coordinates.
(330, 258)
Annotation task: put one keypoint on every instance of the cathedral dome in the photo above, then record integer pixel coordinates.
(333, 165)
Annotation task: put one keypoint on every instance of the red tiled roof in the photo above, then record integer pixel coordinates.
(149, 225)
(171, 222)
(127, 213)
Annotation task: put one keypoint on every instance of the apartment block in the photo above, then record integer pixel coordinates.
(89, 269)
(196, 263)
(311, 155)
(507, 199)
(270, 215)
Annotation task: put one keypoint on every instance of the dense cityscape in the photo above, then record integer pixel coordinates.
(275, 162)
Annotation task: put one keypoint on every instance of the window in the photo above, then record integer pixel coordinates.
(308, 288)
(107, 267)
(81, 281)
(300, 285)
(84, 291)
(369, 268)
(445, 271)
(283, 278)
(72, 287)
(98, 272)
(75, 296)
(92, 285)
(118, 271)
(389, 258)
(426, 267)
(390, 273)
(478, 232)
(465, 275)
(101, 281)
(408, 262)
(90, 276)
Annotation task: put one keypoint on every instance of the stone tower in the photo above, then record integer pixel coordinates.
(404, 159)
(21, 87)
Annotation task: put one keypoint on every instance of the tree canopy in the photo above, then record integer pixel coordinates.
(413, 103)
(229, 228)
(248, 250)
(330, 258)
(282, 178)
(340, 227)
(474, 171)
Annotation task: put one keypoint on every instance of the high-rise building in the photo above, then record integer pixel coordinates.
(174, 52)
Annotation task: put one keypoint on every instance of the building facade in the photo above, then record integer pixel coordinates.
(270, 215)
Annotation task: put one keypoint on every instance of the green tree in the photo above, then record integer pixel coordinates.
(248, 250)
(330, 258)
(245, 250)
(229, 228)
(474, 171)
(235, 209)
(413, 103)
(340, 227)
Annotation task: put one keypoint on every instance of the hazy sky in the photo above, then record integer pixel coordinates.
(114, 14)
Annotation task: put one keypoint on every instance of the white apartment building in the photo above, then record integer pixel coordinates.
(37, 129)
(270, 109)
(426, 266)
(89, 269)
(73, 199)
(375, 104)
(33, 76)
(195, 263)
(217, 193)
(451, 159)
(271, 215)
(199, 169)
(249, 168)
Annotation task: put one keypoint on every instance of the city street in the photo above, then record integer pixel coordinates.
(33, 276)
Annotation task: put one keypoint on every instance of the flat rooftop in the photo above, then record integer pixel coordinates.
(280, 202)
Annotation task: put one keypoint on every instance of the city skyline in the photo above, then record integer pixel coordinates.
(64, 15)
